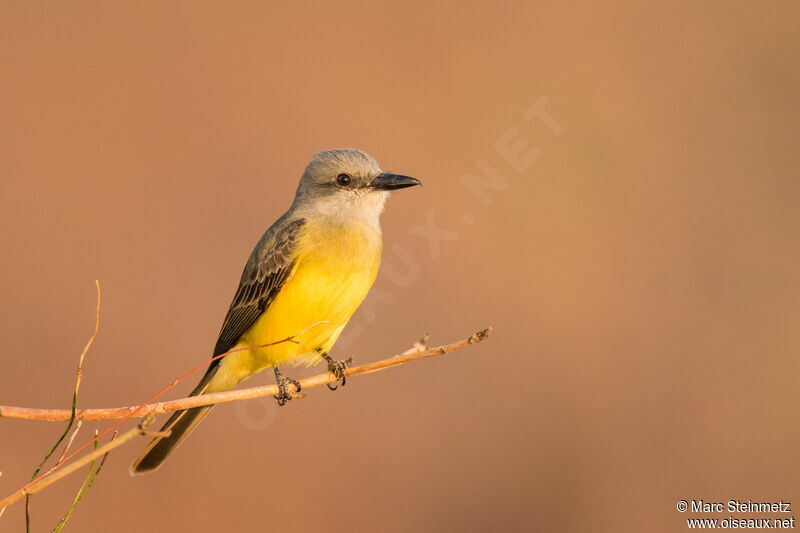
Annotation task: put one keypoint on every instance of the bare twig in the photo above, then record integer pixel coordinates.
(88, 481)
(88, 344)
(137, 411)
(52, 415)
(76, 464)
(78, 377)
(69, 442)
(150, 409)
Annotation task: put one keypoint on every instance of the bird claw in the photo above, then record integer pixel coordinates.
(284, 395)
(338, 369)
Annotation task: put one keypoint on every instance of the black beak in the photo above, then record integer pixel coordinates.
(386, 181)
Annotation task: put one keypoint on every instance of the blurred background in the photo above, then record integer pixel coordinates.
(613, 188)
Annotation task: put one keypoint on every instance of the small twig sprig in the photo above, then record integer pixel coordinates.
(78, 377)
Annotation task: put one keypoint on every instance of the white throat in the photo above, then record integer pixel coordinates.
(348, 207)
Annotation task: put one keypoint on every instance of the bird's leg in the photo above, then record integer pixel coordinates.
(337, 368)
(284, 395)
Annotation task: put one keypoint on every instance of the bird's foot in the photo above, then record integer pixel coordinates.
(284, 395)
(338, 369)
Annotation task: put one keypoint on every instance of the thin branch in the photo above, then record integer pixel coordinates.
(88, 481)
(137, 411)
(150, 410)
(53, 415)
(78, 377)
(88, 344)
(76, 464)
(69, 442)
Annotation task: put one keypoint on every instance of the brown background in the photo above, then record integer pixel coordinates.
(641, 275)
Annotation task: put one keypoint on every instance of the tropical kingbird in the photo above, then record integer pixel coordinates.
(304, 280)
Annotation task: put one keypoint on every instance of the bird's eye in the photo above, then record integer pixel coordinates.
(343, 179)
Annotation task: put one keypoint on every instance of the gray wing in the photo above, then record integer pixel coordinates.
(267, 270)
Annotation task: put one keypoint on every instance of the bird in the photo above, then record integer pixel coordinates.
(304, 279)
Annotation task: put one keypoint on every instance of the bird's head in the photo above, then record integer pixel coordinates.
(348, 183)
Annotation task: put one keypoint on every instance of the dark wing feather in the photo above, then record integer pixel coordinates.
(269, 266)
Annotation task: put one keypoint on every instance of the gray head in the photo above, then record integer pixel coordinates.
(348, 183)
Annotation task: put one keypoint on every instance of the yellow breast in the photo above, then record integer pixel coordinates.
(335, 267)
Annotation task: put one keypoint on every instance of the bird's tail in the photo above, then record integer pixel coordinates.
(180, 424)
